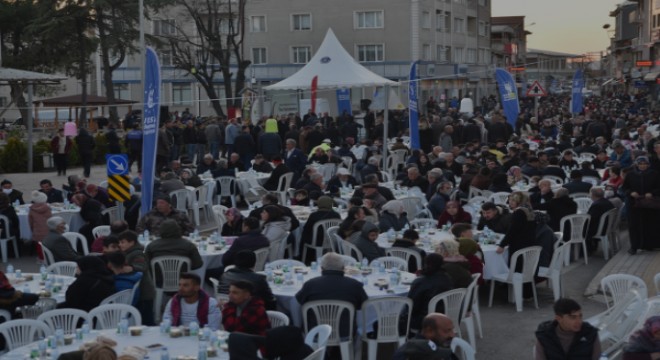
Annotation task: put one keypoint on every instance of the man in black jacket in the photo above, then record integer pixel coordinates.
(598, 208)
(567, 336)
(244, 270)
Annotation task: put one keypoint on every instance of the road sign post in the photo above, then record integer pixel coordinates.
(536, 90)
(119, 184)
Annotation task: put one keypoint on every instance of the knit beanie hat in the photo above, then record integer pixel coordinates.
(169, 229)
(324, 202)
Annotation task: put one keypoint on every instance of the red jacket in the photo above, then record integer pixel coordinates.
(461, 217)
(55, 142)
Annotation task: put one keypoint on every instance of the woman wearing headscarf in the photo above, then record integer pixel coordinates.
(433, 280)
(93, 283)
(514, 175)
(234, 224)
(392, 216)
(324, 212)
(455, 264)
(190, 179)
(454, 214)
(469, 249)
(640, 185)
(522, 232)
(644, 344)
(366, 243)
(38, 215)
(7, 210)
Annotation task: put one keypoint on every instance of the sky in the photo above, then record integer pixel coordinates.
(571, 26)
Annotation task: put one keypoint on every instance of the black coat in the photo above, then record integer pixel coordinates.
(261, 288)
(521, 234)
(274, 179)
(578, 186)
(596, 210)
(94, 284)
(422, 290)
(557, 208)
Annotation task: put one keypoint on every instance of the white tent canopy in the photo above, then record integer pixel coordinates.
(335, 68)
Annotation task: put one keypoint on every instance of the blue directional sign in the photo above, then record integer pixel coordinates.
(117, 164)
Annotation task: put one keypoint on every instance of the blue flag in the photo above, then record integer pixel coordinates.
(413, 107)
(150, 127)
(344, 101)
(576, 93)
(508, 95)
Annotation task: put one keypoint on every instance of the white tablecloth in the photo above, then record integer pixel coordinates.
(286, 293)
(26, 233)
(182, 346)
(249, 179)
(36, 285)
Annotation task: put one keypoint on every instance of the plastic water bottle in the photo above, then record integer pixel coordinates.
(194, 328)
(43, 345)
(206, 332)
(59, 337)
(10, 269)
(394, 278)
(163, 328)
(365, 263)
(17, 204)
(146, 235)
(85, 328)
(365, 280)
(381, 268)
(603, 356)
(26, 289)
(315, 266)
(164, 354)
(66, 202)
(43, 272)
(141, 239)
(55, 354)
(123, 326)
(201, 354)
(390, 234)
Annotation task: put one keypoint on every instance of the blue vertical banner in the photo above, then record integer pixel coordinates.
(150, 127)
(413, 107)
(508, 95)
(576, 93)
(344, 101)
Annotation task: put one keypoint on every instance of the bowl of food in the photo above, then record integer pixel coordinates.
(135, 330)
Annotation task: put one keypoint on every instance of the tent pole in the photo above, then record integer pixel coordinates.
(386, 117)
(29, 127)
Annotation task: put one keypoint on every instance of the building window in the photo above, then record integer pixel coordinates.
(459, 25)
(3, 101)
(259, 56)
(165, 27)
(483, 31)
(426, 20)
(370, 53)
(301, 54)
(426, 52)
(121, 91)
(441, 53)
(369, 19)
(258, 23)
(458, 55)
(483, 2)
(471, 56)
(166, 58)
(301, 22)
(441, 21)
(181, 94)
(224, 25)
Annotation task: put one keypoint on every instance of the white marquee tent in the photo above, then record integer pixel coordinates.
(335, 69)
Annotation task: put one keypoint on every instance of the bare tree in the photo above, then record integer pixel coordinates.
(214, 47)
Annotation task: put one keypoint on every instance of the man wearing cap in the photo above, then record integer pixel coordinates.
(433, 341)
(58, 244)
(171, 243)
(164, 211)
(325, 145)
(13, 194)
(343, 179)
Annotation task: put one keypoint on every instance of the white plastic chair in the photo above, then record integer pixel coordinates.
(8, 236)
(170, 267)
(388, 310)
(583, 204)
(318, 354)
(328, 170)
(199, 198)
(329, 312)
(262, 256)
(219, 216)
(349, 260)
(67, 268)
(471, 301)
(321, 226)
(277, 318)
(594, 181)
(579, 224)
(75, 239)
(318, 336)
(65, 319)
(555, 179)
(552, 273)
(387, 177)
(48, 255)
(426, 223)
(606, 232)
(351, 250)
(22, 332)
(113, 212)
(391, 262)
(227, 188)
(500, 198)
(453, 302)
(103, 230)
(107, 316)
(283, 185)
(406, 255)
(121, 297)
(618, 285)
(477, 201)
(478, 192)
(41, 306)
(181, 199)
(333, 237)
(530, 257)
(463, 348)
(579, 195)
(5, 316)
(278, 264)
(656, 281)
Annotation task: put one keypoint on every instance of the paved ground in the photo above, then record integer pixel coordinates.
(507, 334)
